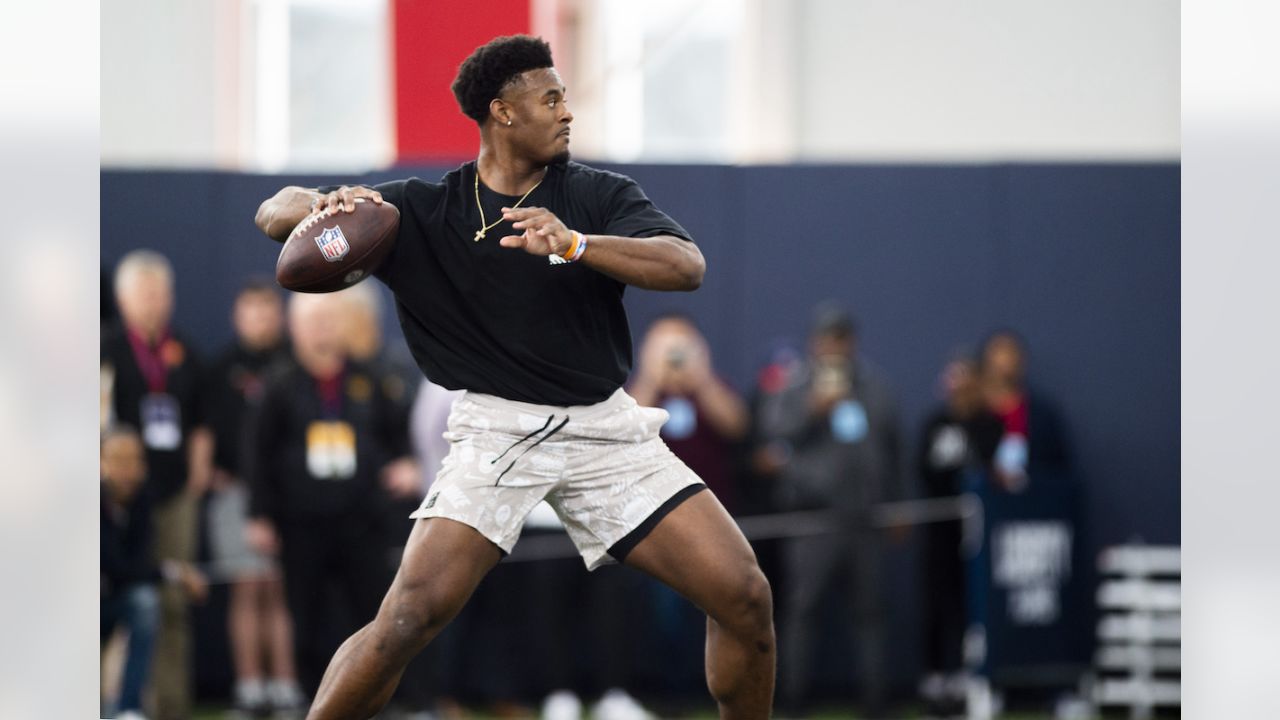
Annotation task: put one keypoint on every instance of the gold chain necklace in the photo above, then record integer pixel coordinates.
(487, 227)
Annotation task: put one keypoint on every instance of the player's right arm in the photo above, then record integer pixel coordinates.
(279, 214)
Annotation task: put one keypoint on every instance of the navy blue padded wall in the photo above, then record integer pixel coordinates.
(1083, 259)
(1094, 282)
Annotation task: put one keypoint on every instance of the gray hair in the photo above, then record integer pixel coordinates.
(137, 262)
(364, 296)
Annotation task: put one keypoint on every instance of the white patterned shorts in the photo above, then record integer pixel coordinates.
(601, 467)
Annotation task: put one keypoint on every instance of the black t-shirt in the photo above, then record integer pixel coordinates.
(166, 466)
(235, 382)
(950, 444)
(501, 321)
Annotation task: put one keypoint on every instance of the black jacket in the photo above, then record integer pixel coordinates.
(948, 445)
(824, 472)
(125, 534)
(283, 487)
(234, 383)
(166, 469)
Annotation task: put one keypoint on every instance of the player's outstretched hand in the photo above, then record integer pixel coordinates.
(344, 199)
(544, 234)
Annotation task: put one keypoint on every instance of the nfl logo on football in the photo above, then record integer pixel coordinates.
(333, 244)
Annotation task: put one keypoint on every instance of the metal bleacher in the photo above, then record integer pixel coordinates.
(1138, 665)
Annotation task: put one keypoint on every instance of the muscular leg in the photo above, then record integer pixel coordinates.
(699, 552)
(443, 563)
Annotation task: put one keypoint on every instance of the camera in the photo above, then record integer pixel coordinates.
(831, 376)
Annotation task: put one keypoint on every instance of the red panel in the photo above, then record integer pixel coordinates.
(432, 37)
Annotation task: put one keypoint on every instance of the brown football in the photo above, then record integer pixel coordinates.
(330, 251)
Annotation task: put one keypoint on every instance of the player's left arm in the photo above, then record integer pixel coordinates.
(661, 262)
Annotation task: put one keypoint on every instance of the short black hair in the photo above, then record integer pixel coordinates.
(831, 319)
(258, 284)
(487, 70)
(1001, 333)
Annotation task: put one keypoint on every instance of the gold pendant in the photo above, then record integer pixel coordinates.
(479, 236)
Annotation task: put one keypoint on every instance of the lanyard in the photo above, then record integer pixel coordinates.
(150, 360)
(330, 392)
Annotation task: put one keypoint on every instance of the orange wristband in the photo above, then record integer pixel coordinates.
(576, 247)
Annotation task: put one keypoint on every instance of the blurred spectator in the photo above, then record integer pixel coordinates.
(834, 430)
(428, 421)
(398, 380)
(960, 434)
(762, 457)
(321, 438)
(398, 377)
(1033, 445)
(130, 576)
(436, 672)
(706, 416)
(362, 332)
(707, 420)
(584, 632)
(107, 313)
(155, 383)
(258, 621)
(765, 455)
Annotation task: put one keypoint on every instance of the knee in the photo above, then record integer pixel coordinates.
(406, 629)
(413, 614)
(749, 609)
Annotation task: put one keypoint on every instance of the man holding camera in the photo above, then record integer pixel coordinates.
(706, 416)
(833, 431)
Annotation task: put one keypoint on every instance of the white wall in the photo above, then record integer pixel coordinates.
(159, 89)
(986, 79)
(714, 80)
(250, 84)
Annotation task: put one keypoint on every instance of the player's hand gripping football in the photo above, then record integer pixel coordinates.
(544, 234)
(344, 199)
